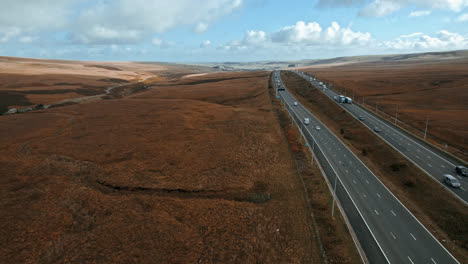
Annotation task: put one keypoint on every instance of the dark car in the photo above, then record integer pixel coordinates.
(463, 171)
(361, 118)
(376, 129)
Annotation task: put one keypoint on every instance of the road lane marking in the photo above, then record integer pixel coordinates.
(347, 171)
(428, 157)
(433, 261)
(367, 181)
(429, 165)
(410, 260)
(463, 189)
(354, 181)
(379, 195)
(393, 212)
(418, 150)
(339, 161)
(376, 212)
(442, 166)
(417, 156)
(392, 235)
(358, 171)
(364, 195)
(412, 236)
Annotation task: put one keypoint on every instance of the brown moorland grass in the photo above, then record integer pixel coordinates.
(445, 218)
(422, 89)
(176, 174)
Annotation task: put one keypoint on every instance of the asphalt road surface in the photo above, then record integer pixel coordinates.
(421, 154)
(387, 231)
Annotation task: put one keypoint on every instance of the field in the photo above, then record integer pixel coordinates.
(29, 82)
(191, 170)
(420, 90)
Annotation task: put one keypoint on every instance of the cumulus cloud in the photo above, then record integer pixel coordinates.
(161, 43)
(463, 17)
(19, 17)
(420, 13)
(441, 41)
(205, 43)
(7, 33)
(331, 3)
(379, 8)
(126, 21)
(26, 39)
(201, 27)
(301, 34)
(107, 22)
(313, 34)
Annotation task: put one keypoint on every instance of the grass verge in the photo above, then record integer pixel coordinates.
(335, 241)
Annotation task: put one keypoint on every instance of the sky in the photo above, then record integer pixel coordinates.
(228, 30)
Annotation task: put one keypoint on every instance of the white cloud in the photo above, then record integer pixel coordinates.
(26, 39)
(301, 35)
(379, 8)
(419, 42)
(7, 33)
(313, 34)
(412, 35)
(420, 13)
(201, 27)
(19, 17)
(127, 21)
(205, 43)
(161, 43)
(463, 17)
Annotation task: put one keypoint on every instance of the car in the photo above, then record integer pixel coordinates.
(361, 118)
(306, 121)
(317, 128)
(295, 103)
(376, 129)
(451, 181)
(461, 170)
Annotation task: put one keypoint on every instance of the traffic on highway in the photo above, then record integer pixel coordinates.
(428, 159)
(386, 229)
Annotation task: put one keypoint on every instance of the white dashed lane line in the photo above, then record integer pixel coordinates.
(393, 212)
(379, 195)
(394, 237)
(412, 236)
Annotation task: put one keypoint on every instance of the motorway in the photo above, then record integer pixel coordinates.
(422, 155)
(386, 230)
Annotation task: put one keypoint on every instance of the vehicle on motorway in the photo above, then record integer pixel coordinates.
(295, 103)
(451, 181)
(306, 121)
(461, 170)
(317, 128)
(376, 129)
(361, 118)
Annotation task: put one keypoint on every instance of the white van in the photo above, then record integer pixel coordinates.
(306, 121)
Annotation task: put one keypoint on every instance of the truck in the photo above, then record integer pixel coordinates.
(348, 100)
